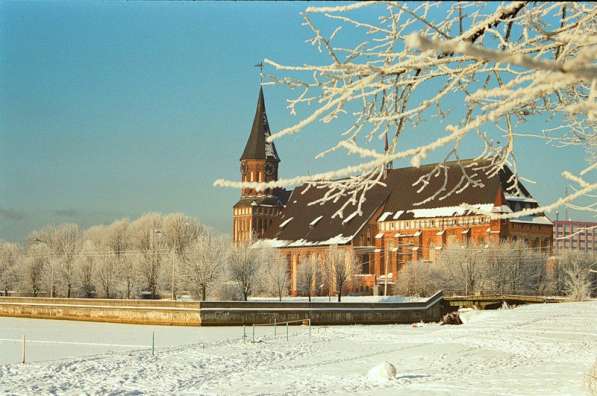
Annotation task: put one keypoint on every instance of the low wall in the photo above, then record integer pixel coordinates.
(103, 313)
(221, 313)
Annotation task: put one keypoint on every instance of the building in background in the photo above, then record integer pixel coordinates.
(399, 221)
(575, 235)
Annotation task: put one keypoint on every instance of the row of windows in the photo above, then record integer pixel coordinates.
(257, 210)
(246, 178)
(567, 243)
(433, 223)
(241, 211)
(574, 228)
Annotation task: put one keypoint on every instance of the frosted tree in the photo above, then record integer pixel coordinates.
(340, 266)
(86, 269)
(63, 242)
(204, 261)
(180, 231)
(117, 242)
(36, 263)
(478, 70)
(105, 246)
(10, 258)
(244, 269)
(148, 241)
(308, 273)
(574, 276)
(275, 272)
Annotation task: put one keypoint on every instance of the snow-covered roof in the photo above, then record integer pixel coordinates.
(540, 220)
(384, 216)
(520, 199)
(288, 220)
(398, 214)
(315, 221)
(501, 209)
(449, 211)
(350, 217)
(269, 243)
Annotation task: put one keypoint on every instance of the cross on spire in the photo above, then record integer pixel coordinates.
(260, 66)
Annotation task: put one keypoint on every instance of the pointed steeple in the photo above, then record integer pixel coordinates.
(257, 147)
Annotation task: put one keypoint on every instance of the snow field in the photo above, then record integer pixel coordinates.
(543, 349)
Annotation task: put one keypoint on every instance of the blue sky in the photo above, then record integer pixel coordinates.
(114, 109)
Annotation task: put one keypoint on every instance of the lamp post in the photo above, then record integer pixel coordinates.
(51, 267)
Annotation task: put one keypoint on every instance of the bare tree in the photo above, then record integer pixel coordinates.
(85, 266)
(275, 271)
(180, 231)
(308, 273)
(66, 242)
(574, 273)
(63, 242)
(467, 266)
(36, 263)
(105, 245)
(340, 266)
(117, 240)
(244, 269)
(148, 241)
(10, 257)
(204, 262)
(506, 64)
(419, 278)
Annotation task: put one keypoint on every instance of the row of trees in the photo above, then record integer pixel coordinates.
(157, 255)
(508, 268)
(125, 259)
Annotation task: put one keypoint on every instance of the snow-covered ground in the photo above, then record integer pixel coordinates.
(543, 349)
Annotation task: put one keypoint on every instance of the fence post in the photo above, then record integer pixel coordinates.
(274, 327)
(309, 328)
(286, 331)
(153, 343)
(244, 333)
(23, 354)
(253, 332)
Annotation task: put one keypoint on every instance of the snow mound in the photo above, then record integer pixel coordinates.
(382, 372)
(472, 315)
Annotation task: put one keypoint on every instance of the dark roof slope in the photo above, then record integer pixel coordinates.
(257, 147)
(313, 224)
(295, 224)
(406, 195)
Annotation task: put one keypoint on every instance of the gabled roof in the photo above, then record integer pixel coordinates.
(257, 147)
(407, 197)
(302, 224)
(312, 225)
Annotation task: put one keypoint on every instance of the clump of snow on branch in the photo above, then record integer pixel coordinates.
(479, 71)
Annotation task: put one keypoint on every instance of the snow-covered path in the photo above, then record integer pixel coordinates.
(532, 350)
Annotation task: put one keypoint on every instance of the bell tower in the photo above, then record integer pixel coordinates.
(254, 212)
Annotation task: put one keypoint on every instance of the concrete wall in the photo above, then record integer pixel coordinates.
(118, 312)
(221, 313)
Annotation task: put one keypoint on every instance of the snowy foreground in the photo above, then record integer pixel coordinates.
(544, 349)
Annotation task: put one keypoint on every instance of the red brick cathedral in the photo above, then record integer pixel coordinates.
(395, 227)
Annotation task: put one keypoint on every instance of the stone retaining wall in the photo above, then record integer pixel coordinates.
(221, 313)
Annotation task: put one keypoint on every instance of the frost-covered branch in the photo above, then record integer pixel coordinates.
(433, 75)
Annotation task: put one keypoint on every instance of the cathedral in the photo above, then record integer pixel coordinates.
(398, 223)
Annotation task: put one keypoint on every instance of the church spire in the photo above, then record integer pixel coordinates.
(257, 146)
